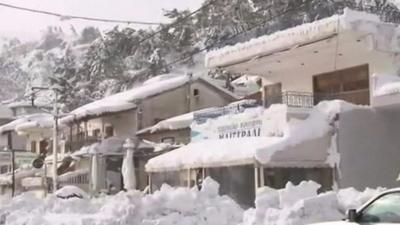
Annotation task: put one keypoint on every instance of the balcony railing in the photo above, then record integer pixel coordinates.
(76, 145)
(308, 100)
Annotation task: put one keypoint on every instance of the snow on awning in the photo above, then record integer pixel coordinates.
(384, 34)
(210, 153)
(235, 152)
(126, 100)
(305, 143)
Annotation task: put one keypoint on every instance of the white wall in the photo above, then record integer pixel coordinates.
(369, 146)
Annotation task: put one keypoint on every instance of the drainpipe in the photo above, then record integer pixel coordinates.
(188, 92)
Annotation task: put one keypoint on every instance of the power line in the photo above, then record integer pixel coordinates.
(178, 21)
(185, 57)
(70, 17)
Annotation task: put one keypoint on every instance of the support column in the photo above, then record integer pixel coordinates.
(262, 178)
(150, 183)
(256, 185)
(188, 178)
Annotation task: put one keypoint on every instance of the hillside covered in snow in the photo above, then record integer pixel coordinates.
(90, 64)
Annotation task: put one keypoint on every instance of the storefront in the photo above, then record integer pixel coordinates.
(246, 149)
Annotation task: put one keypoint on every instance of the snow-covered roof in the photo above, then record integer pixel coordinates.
(174, 123)
(352, 21)
(5, 112)
(292, 148)
(126, 100)
(386, 85)
(28, 121)
(108, 146)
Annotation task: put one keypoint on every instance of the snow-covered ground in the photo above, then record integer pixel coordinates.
(295, 205)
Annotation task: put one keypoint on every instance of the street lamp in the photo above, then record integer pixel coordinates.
(7, 149)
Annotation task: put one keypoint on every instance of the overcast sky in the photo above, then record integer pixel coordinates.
(27, 26)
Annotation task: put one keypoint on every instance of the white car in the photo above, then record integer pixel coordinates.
(384, 209)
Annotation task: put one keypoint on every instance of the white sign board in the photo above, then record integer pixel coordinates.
(21, 158)
(254, 122)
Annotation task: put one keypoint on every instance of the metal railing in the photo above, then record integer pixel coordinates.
(298, 99)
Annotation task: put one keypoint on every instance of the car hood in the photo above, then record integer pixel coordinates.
(347, 223)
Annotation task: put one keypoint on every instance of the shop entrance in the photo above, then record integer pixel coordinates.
(278, 177)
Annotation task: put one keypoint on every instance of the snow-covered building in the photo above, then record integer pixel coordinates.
(338, 145)
(332, 58)
(334, 143)
(123, 114)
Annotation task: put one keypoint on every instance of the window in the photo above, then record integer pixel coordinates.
(385, 209)
(43, 146)
(33, 146)
(196, 92)
(169, 140)
(109, 131)
(96, 133)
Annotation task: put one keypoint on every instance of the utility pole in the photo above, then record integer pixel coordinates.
(55, 132)
(55, 142)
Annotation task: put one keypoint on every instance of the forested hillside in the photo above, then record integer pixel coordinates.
(89, 64)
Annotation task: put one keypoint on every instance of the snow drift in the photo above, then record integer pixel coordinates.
(294, 205)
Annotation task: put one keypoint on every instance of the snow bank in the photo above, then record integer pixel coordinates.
(169, 206)
(350, 21)
(386, 85)
(301, 204)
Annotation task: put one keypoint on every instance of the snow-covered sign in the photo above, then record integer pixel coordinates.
(24, 158)
(253, 122)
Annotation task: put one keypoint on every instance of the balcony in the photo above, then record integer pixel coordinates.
(298, 99)
(78, 144)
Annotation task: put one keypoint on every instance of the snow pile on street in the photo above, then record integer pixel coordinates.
(169, 206)
(386, 85)
(350, 21)
(126, 100)
(300, 205)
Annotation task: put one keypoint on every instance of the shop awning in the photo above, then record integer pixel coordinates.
(269, 151)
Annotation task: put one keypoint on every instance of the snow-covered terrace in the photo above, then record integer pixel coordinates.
(305, 143)
(325, 45)
(386, 91)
